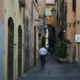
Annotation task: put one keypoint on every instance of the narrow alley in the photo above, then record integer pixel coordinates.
(54, 71)
(28, 28)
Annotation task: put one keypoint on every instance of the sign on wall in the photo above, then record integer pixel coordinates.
(77, 38)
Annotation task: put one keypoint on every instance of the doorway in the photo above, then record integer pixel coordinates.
(19, 51)
(10, 49)
(51, 38)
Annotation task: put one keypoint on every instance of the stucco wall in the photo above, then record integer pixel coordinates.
(1, 51)
(1, 40)
(12, 9)
(51, 20)
(1, 10)
(71, 30)
(78, 29)
(35, 16)
(42, 5)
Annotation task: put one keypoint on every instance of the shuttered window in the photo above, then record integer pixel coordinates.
(74, 5)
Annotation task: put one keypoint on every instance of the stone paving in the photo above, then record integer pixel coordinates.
(54, 71)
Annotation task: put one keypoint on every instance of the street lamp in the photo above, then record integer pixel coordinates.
(53, 11)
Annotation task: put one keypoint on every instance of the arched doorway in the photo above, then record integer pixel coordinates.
(10, 49)
(51, 38)
(19, 51)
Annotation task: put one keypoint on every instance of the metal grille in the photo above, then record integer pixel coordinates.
(19, 51)
(10, 48)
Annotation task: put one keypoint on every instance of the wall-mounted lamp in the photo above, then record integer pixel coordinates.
(53, 11)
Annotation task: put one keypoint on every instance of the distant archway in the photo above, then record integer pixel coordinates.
(19, 51)
(10, 49)
(52, 37)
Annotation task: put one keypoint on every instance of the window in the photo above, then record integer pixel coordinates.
(74, 5)
(48, 12)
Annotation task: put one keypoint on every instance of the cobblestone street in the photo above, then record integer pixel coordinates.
(54, 71)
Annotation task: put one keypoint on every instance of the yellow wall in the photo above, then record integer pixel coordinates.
(31, 13)
(1, 10)
(12, 9)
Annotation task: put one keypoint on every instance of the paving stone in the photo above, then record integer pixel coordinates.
(54, 71)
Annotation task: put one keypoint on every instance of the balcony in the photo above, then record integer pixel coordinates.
(22, 3)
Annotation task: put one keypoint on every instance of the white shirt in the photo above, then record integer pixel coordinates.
(42, 51)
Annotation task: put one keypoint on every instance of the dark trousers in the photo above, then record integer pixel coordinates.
(42, 59)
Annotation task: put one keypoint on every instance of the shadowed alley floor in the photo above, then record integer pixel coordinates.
(54, 71)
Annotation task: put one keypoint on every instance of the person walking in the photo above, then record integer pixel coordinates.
(43, 53)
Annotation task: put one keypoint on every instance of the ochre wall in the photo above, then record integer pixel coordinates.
(12, 9)
(71, 30)
(1, 10)
(51, 20)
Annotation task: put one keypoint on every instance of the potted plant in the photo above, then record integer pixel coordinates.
(61, 50)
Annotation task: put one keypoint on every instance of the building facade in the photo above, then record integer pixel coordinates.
(61, 19)
(71, 27)
(2, 40)
(42, 5)
(51, 23)
(13, 39)
(66, 24)
(31, 14)
(77, 14)
(19, 42)
(34, 33)
(27, 26)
